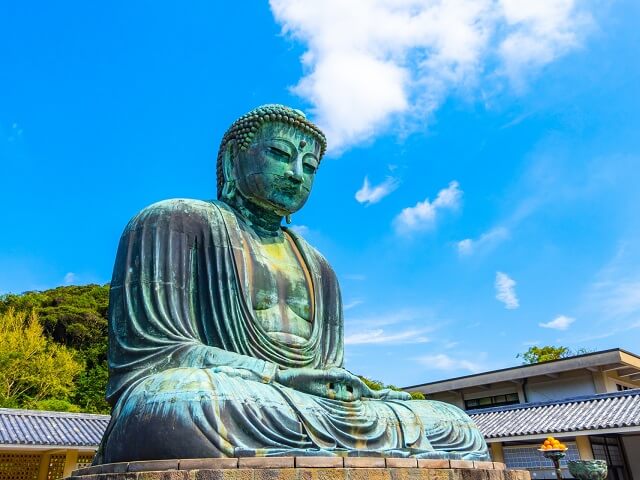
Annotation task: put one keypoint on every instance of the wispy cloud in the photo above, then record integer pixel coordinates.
(403, 316)
(485, 241)
(369, 195)
(381, 336)
(369, 62)
(442, 361)
(506, 291)
(353, 303)
(408, 325)
(614, 295)
(423, 215)
(69, 278)
(300, 229)
(561, 322)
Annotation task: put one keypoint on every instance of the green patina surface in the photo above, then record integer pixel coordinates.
(226, 329)
(588, 469)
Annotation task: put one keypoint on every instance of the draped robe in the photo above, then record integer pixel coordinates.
(192, 371)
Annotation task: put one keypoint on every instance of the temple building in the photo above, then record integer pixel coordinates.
(38, 445)
(590, 402)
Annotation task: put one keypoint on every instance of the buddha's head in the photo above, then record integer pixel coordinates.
(270, 157)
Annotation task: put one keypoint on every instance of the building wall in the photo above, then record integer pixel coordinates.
(24, 464)
(448, 397)
(541, 389)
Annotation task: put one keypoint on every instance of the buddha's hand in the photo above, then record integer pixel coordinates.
(334, 383)
(388, 394)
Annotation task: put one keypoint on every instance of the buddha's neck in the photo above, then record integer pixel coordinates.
(265, 222)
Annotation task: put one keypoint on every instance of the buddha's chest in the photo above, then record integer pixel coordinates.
(280, 294)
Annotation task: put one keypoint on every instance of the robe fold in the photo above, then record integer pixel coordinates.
(191, 370)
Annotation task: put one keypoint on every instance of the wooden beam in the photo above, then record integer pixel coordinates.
(613, 367)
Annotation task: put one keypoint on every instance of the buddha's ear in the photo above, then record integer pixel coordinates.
(228, 157)
(227, 160)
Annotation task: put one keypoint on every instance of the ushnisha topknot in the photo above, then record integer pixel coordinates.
(245, 127)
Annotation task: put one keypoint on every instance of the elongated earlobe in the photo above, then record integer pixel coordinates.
(229, 188)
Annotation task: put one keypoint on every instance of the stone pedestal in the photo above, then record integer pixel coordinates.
(301, 468)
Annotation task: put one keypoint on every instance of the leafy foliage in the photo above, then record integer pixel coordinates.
(73, 317)
(32, 368)
(548, 353)
(378, 385)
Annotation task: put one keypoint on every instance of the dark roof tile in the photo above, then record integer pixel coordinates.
(594, 412)
(31, 427)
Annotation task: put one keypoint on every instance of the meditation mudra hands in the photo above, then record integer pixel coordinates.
(334, 383)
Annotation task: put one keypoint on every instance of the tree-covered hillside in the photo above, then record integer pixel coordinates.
(74, 320)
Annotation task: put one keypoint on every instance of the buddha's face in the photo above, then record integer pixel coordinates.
(277, 169)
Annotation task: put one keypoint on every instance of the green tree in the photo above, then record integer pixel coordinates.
(547, 353)
(75, 317)
(32, 368)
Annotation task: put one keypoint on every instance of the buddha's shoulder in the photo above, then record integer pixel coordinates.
(180, 212)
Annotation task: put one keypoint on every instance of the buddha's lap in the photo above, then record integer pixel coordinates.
(214, 392)
(194, 412)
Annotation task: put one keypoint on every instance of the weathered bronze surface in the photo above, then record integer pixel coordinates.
(226, 329)
(588, 469)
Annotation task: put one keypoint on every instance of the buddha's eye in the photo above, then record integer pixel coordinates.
(310, 167)
(309, 164)
(278, 152)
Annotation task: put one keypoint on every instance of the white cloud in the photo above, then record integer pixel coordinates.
(540, 32)
(69, 278)
(561, 322)
(486, 240)
(423, 215)
(380, 336)
(369, 195)
(505, 290)
(445, 362)
(300, 229)
(615, 293)
(373, 63)
(352, 304)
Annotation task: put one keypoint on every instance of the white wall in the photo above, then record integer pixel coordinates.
(560, 388)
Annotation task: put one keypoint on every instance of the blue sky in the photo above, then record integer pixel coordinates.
(499, 142)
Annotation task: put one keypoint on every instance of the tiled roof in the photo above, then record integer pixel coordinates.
(594, 412)
(30, 427)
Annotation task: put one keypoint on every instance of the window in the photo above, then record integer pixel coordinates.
(493, 401)
(608, 449)
(528, 457)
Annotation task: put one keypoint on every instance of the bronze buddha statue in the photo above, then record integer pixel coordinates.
(226, 329)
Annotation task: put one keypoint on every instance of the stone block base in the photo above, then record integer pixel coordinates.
(301, 468)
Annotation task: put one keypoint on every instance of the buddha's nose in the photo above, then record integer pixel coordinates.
(295, 173)
(293, 176)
